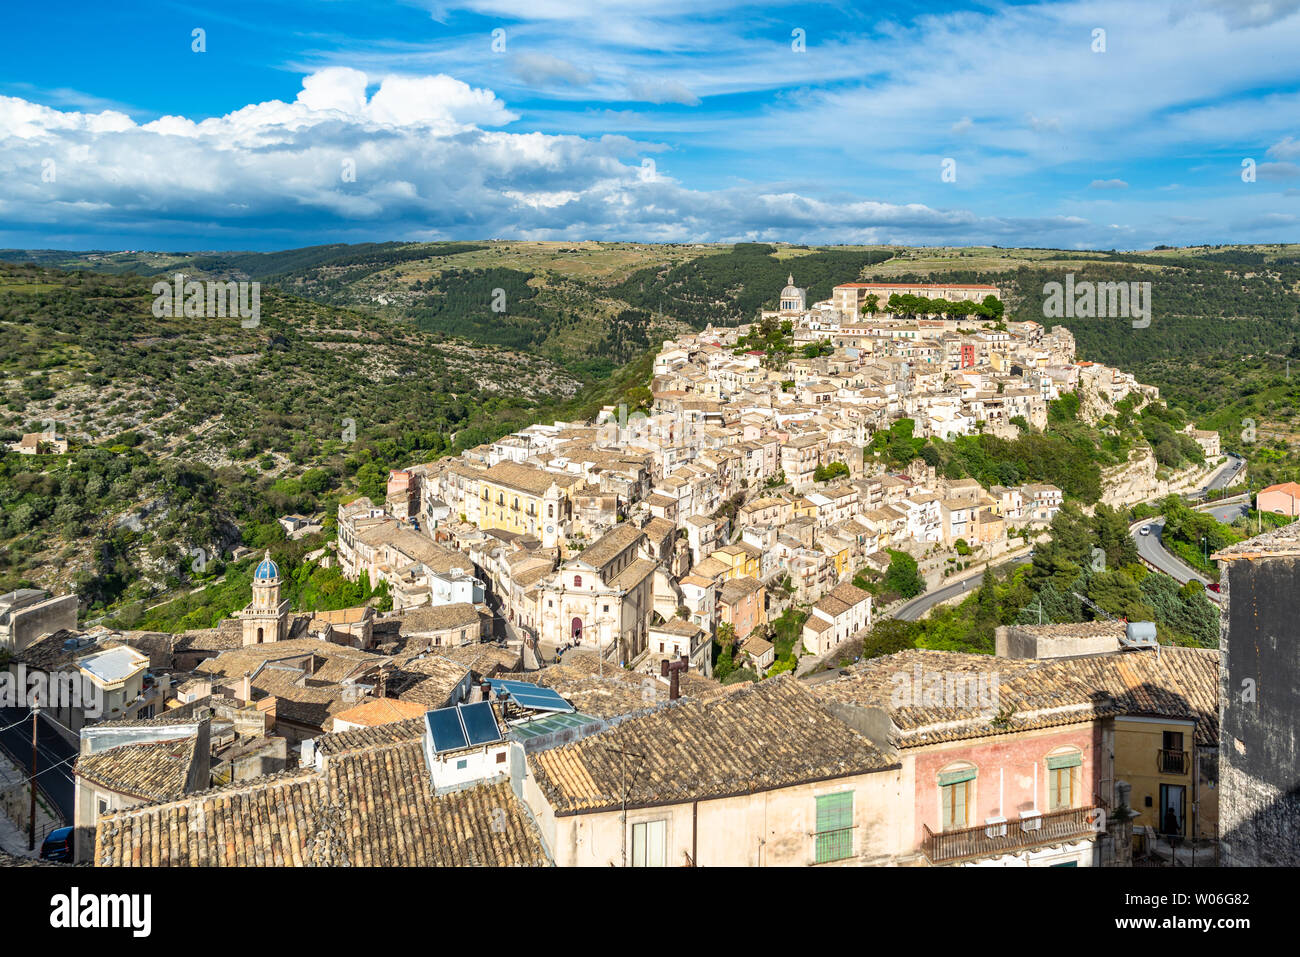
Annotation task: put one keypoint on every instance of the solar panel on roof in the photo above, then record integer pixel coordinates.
(448, 733)
(531, 696)
(480, 723)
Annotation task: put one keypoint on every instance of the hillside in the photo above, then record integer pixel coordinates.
(186, 431)
(589, 307)
(193, 435)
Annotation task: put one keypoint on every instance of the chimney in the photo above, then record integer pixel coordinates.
(246, 687)
(486, 689)
(670, 670)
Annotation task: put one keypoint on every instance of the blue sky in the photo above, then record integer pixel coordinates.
(673, 120)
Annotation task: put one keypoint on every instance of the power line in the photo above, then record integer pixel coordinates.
(18, 722)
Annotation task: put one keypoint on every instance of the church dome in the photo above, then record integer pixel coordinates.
(791, 291)
(267, 570)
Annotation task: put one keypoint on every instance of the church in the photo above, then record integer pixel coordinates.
(794, 300)
(266, 618)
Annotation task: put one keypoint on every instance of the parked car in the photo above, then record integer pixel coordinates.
(1213, 586)
(57, 845)
(1146, 529)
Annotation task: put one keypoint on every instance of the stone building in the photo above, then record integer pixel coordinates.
(266, 618)
(29, 613)
(1259, 698)
(604, 596)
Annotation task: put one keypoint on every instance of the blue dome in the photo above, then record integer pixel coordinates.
(266, 571)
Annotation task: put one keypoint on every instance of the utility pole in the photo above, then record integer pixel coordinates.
(31, 824)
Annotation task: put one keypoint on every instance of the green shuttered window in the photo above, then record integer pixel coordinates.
(956, 777)
(834, 827)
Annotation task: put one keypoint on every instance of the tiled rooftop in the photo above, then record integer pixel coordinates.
(768, 735)
(153, 771)
(1278, 543)
(373, 806)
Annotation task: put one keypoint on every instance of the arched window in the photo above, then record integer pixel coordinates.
(577, 581)
(956, 795)
(1063, 772)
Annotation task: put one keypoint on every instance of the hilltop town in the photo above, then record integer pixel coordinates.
(580, 595)
(744, 490)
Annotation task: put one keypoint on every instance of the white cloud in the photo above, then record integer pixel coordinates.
(542, 69)
(1243, 14)
(661, 91)
(424, 164)
(1108, 184)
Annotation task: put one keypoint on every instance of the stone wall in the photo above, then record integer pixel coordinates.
(44, 618)
(1259, 698)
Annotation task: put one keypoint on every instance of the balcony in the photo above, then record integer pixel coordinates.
(987, 840)
(1171, 762)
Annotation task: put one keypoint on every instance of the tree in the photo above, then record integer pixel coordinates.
(902, 576)
(1111, 530)
(832, 470)
(724, 640)
(1062, 559)
(888, 636)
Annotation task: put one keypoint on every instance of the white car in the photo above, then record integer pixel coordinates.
(1146, 529)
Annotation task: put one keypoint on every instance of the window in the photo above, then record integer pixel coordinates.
(501, 757)
(649, 844)
(955, 791)
(1063, 780)
(834, 827)
(1173, 760)
(577, 581)
(462, 764)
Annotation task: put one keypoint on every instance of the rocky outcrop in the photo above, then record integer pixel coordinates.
(1139, 480)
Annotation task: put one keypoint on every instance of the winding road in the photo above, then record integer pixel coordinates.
(918, 606)
(1151, 547)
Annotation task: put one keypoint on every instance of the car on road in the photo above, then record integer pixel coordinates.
(57, 846)
(1146, 529)
(1214, 586)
